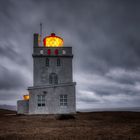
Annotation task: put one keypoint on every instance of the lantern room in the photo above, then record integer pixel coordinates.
(53, 41)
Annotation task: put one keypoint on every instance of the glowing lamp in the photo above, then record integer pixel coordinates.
(26, 97)
(53, 41)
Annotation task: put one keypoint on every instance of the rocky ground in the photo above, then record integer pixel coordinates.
(83, 126)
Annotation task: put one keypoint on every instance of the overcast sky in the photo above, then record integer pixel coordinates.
(104, 34)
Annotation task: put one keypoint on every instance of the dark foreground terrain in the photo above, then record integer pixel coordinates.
(85, 126)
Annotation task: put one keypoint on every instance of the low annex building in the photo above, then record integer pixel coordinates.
(53, 90)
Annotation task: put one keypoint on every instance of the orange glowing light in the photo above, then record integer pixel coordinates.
(53, 41)
(26, 97)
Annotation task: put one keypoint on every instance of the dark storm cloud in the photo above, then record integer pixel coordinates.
(105, 36)
(11, 79)
(113, 30)
(8, 50)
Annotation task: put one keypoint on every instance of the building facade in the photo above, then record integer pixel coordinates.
(53, 90)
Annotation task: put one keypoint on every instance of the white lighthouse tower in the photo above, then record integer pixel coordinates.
(53, 90)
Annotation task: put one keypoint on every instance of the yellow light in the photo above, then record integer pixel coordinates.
(53, 41)
(26, 97)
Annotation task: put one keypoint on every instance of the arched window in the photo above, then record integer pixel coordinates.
(47, 62)
(53, 79)
(58, 62)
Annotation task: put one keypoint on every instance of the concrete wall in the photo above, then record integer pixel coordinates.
(41, 71)
(36, 50)
(52, 97)
(22, 107)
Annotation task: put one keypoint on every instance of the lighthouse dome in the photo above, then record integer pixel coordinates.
(53, 41)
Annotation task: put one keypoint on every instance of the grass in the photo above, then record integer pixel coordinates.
(82, 126)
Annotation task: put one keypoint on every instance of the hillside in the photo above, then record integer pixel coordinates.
(90, 126)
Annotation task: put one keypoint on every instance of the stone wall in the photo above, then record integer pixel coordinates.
(52, 99)
(41, 71)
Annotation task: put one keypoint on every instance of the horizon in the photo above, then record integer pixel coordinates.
(99, 109)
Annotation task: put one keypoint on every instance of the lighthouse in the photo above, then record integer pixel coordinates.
(53, 90)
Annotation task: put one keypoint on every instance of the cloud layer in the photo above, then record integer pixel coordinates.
(105, 36)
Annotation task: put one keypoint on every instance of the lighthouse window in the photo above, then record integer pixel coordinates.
(47, 62)
(63, 100)
(48, 51)
(56, 52)
(58, 62)
(53, 79)
(41, 100)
